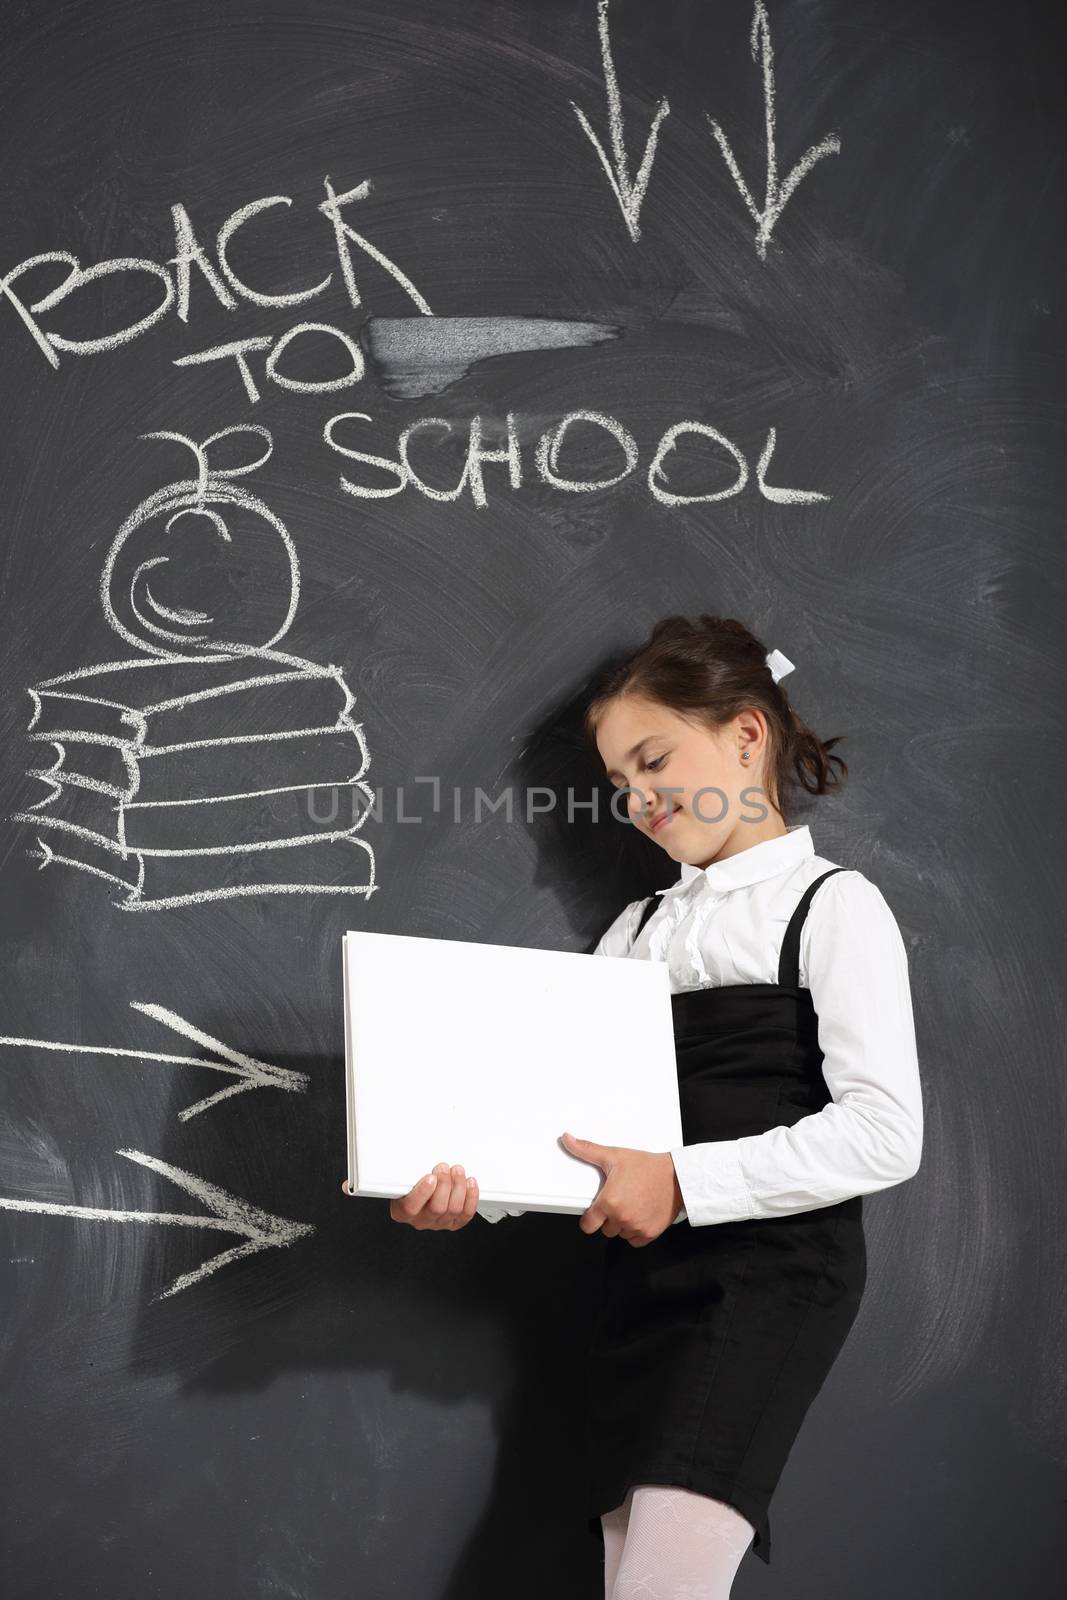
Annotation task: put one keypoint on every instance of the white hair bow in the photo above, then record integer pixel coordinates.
(779, 664)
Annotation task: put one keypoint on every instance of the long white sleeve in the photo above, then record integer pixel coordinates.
(870, 1135)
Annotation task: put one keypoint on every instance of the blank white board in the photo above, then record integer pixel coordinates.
(484, 1054)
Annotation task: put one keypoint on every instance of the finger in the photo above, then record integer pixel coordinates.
(470, 1204)
(614, 1227)
(442, 1195)
(412, 1203)
(458, 1198)
(600, 1154)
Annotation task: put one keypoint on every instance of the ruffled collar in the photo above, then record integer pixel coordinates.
(759, 861)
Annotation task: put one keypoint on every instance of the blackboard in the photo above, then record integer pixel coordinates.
(738, 308)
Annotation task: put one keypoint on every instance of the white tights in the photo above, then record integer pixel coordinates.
(666, 1543)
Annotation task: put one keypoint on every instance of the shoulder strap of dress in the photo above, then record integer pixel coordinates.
(789, 960)
(650, 905)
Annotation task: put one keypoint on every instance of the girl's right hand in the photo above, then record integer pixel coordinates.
(444, 1200)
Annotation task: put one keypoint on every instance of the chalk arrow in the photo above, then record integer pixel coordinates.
(250, 1073)
(629, 193)
(259, 1229)
(777, 195)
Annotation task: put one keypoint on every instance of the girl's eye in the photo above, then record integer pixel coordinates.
(649, 766)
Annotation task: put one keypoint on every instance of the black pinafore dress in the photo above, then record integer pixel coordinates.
(710, 1344)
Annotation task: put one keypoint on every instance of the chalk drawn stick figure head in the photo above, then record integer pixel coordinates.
(206, 540)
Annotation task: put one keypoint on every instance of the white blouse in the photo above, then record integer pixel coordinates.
(724, 924)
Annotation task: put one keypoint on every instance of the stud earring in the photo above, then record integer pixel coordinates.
(744, 755)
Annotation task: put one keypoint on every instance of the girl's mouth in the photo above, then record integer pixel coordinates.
(661, 822)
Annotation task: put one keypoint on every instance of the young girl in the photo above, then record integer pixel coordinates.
(734, 1265)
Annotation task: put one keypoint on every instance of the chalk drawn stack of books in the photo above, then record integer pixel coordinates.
(198, 767)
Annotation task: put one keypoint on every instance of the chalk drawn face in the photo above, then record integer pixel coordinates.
(202, 564)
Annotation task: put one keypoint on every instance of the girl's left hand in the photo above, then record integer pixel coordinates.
(640, 1197)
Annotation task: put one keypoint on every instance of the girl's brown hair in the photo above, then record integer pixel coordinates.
(710, 669)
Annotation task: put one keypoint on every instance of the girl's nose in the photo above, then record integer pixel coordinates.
(642, 803)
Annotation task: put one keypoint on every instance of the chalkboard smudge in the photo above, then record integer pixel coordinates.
(416, 356)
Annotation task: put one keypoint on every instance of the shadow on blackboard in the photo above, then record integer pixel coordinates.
(497, 1316)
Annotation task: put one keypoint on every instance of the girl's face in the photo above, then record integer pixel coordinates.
(666, 762)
